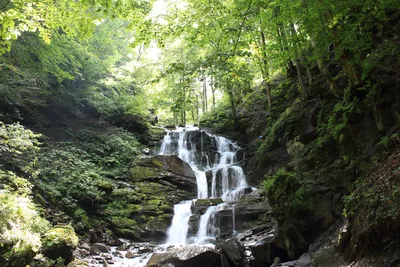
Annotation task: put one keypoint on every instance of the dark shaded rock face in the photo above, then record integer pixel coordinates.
(257, 167)
(131, 123)
(187, 256)
(234, 252)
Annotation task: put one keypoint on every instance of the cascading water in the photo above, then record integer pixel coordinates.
(180, 223)
(227, 182)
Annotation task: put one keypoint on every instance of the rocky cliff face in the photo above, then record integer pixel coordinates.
(317, 160)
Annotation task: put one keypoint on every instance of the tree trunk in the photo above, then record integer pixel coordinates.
(322, 68)
(265, 71)
(233, 105)
(205, 95)
(291, 69)
(302, 86)
(352, 69)
(212, 90)
(310, 77)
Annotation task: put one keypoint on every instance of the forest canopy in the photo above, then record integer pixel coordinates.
(186, 57)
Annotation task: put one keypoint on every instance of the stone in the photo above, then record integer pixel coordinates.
(344, 237)
(234, 252)
(122, 247)
(80, 253)
(187, 256)
(260, 252)
(60, 241)
(85, 246)
(146, 249)
(165, 167)
(98, 248)
(118, 254)
(95, 236)
(129, 255)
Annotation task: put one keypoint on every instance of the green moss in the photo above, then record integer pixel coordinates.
(81, 220)
(105, 185)
(60, 235)
(157, 162)
(289, 192)
(122, 222)
(121, 208)
(157, 206)
(59, 241)
(208, 202)
(128, 195)
(138, 173)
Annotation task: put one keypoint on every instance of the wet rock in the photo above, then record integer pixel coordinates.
(98, 248)
(81, 253)
(118, 254)
(129, 255)
(234, 252)
(201, 205)
(268, 164)
(122, 247)
(85, 246)
(187, 256)
(146, 249)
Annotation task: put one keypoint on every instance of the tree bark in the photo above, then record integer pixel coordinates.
(233, 105)
(212, 90)
(265, 71)
(302, 86)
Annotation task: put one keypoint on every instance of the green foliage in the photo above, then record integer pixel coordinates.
(17, 145)
(284, 128)
(288, 191)
(21, 229)
(72, 18)
(60, 237)
(15, 138)
(268, 182)
(332, 125)
(13, 183)
(75, 177)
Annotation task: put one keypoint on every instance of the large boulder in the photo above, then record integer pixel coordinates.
(167, 168)
(187, 256)
(251, 207)
(60, 242)
(234, 252)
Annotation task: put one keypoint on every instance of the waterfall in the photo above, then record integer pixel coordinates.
(177, 232)
(227, 180)
(207, 227)
(202, 188)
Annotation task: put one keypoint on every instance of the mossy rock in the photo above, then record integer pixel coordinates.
(105, 185)
(121, 208)
(13, 258)
(207, 202)
(60, 241)
(138, 173)
(128, 195)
